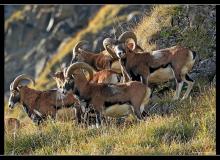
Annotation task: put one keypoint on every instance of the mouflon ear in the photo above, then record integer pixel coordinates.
(130, 44)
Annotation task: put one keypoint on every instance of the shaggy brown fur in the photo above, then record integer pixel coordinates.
(46, 102)
(132, 92)
(180, 59)
(104, 76)
(39, 104)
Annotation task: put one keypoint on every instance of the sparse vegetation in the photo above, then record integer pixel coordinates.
(18, 15)
(150, 25)
(189, 130)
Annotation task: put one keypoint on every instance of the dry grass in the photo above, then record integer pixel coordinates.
(160, 17)
(16, 16)
(188, 130)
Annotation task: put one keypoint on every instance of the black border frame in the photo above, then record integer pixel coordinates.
(101, 2)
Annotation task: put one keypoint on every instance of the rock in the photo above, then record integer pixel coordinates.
(10, 9)
(206, 69)
(214, 80)
(155, 97)
(43, 21)
(27, 40)
(62, 30)
(134, 17)
(40, 65)
(14, 37)
(97, 44)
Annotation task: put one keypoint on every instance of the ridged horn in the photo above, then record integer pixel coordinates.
(64, 71)
(79, 65)
(11, 86)
(21, 77)
(128, 34)
(79, 45)
(109, 42)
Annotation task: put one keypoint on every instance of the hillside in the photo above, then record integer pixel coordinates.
(43, 36)
(40, 38)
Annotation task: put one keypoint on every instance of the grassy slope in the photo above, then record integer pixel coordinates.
(189, 129)
(159, 23)
(160, 17)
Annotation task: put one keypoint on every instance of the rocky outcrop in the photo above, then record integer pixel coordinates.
(40, 32)
(193, 27)
(31, 41)
(205, 69)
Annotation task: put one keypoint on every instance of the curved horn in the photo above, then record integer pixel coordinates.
(109, 42)
(128, 34)
(21, 77)
(11, 86)
(64, 71)
(79, 45)
(79, 65)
